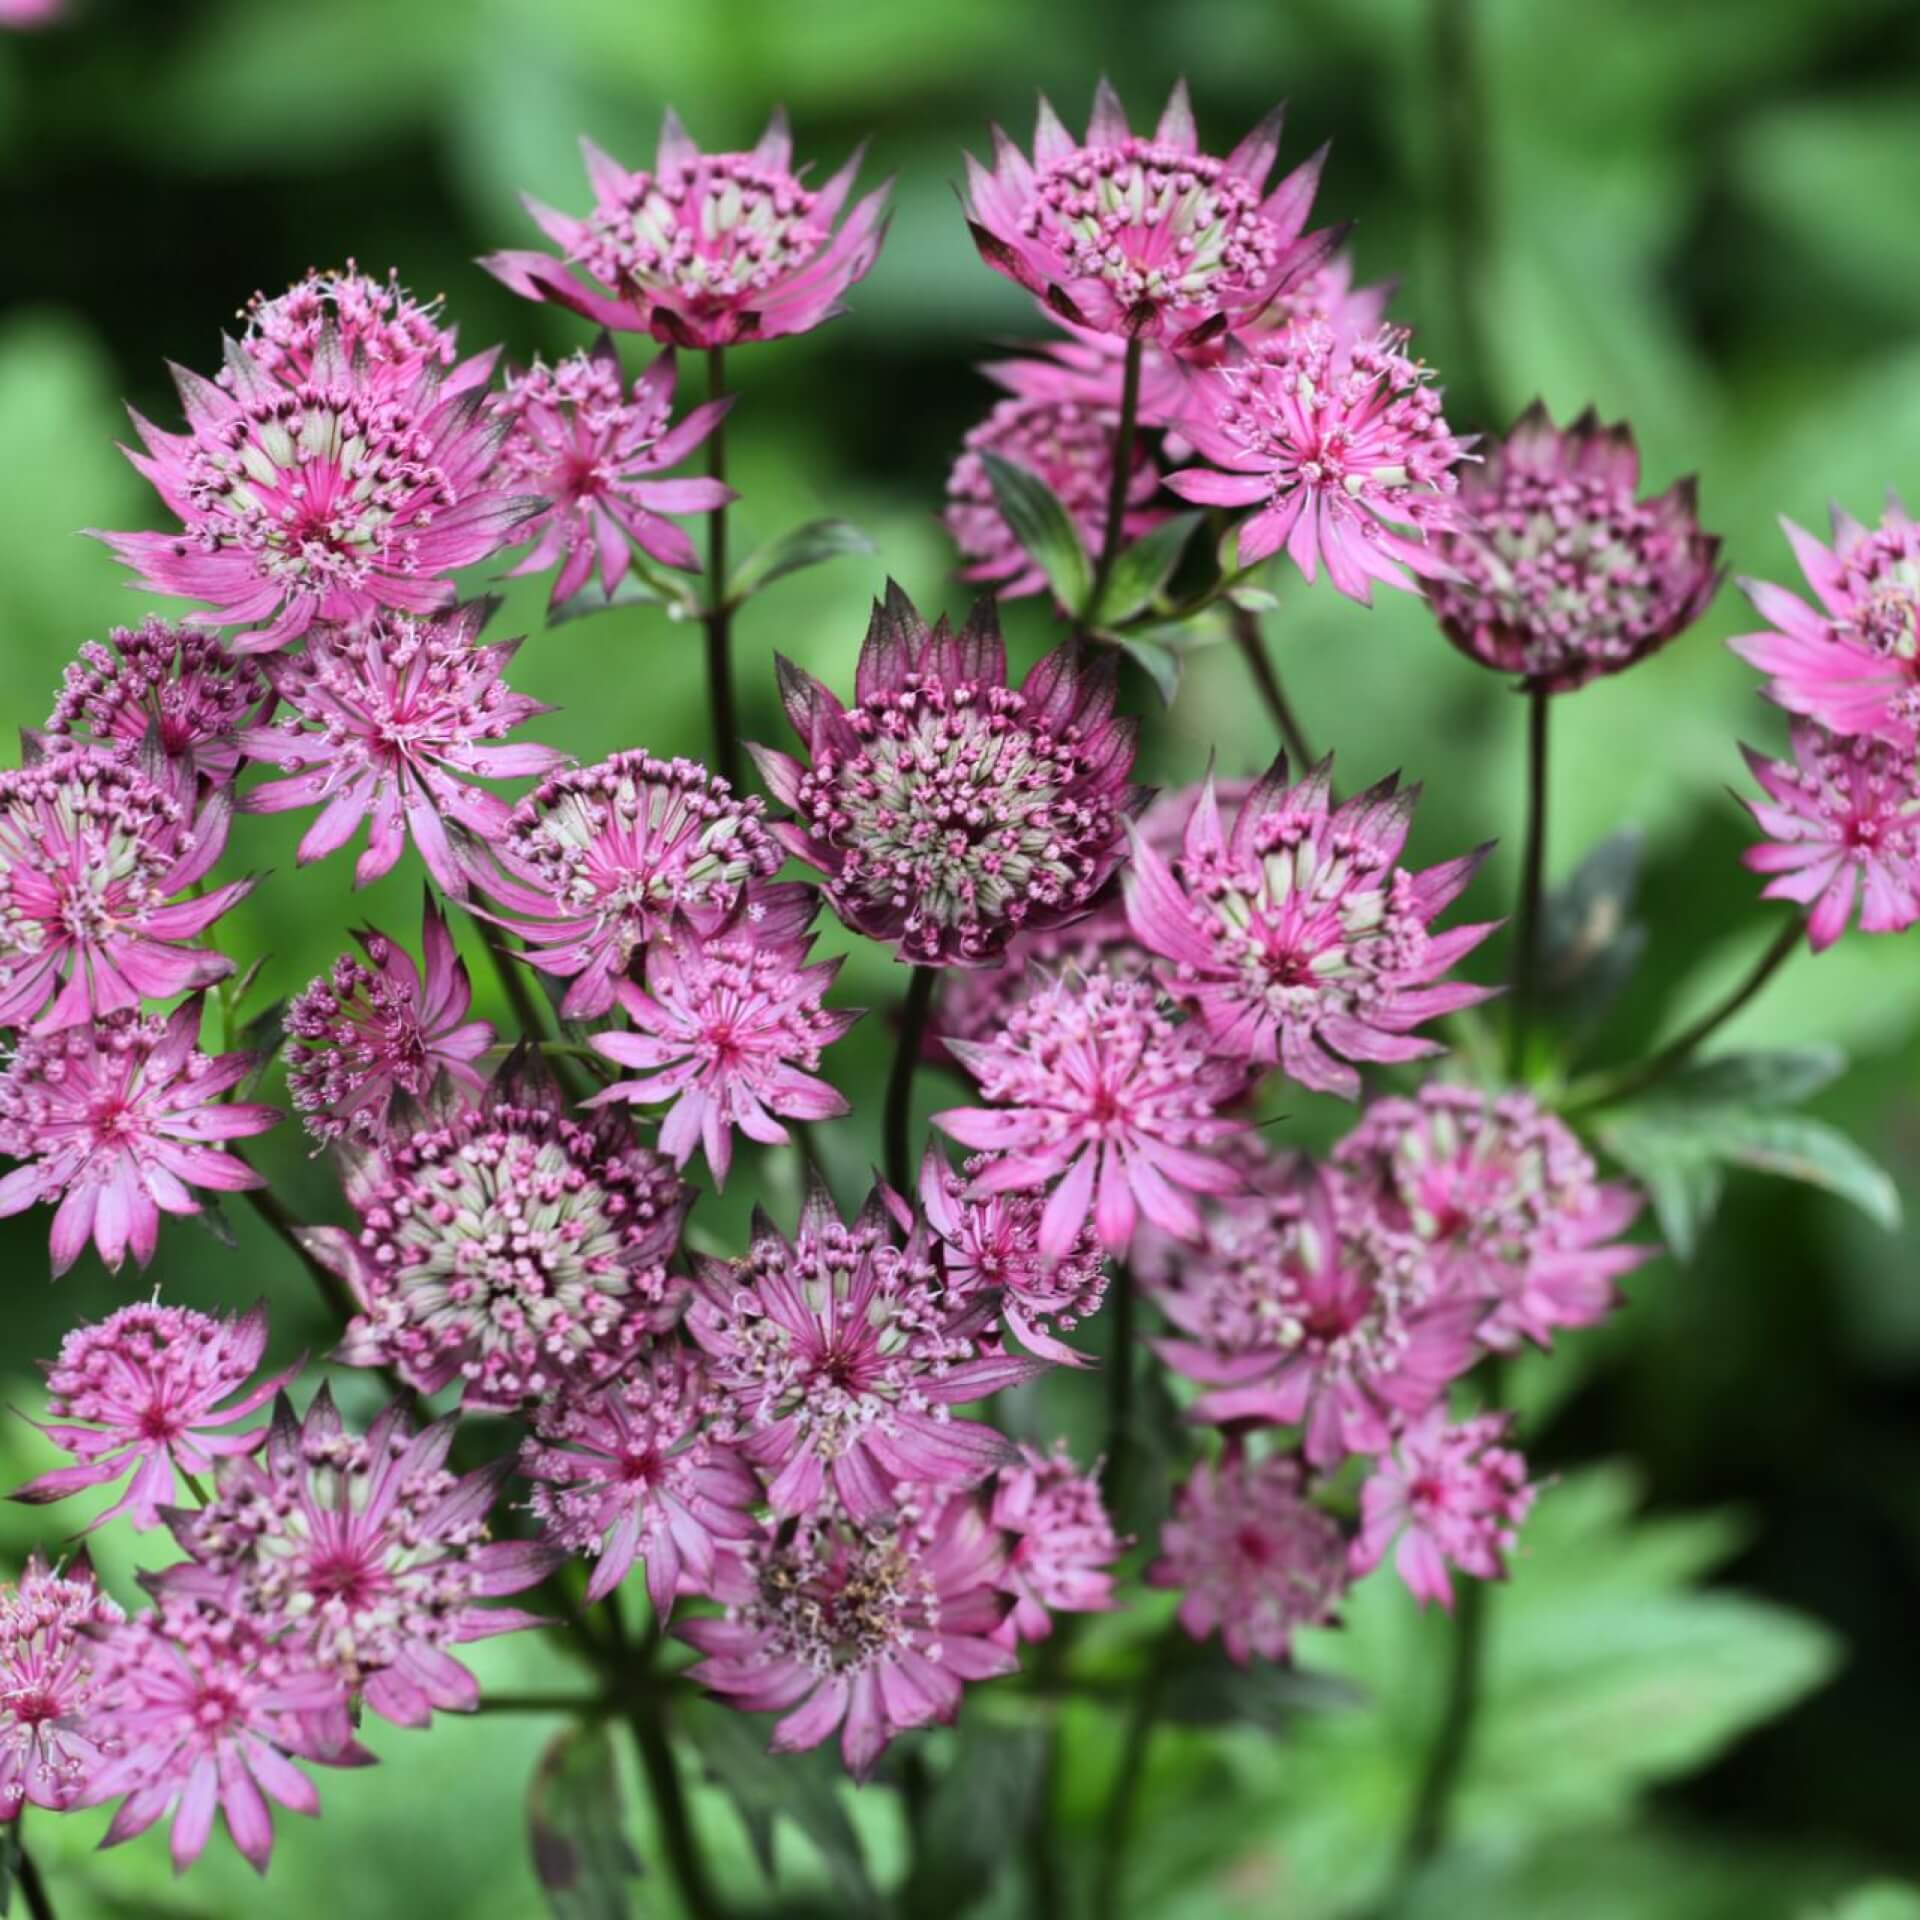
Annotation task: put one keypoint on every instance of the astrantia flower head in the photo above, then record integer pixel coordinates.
(116, 1122)
(141, 1393)
(1559, 572)
(1297, 935)
(377, 322)
(1064, 1545)
(1336, 444)
(841, 1356)
(1096, 1087)
(504, 1245)
(330, 500)
(1148, 237)
(1250, 1558)
(1852, 663)
(1506, 1201)
(590, 451)
(388, 721)
(641, 1469)
(869, 1629)
(1842, 820)
(368, 1031)
(91, 853)
(49, 1686)
(947, 809)
(599, 862)
(704, 249)
(1451, 1495)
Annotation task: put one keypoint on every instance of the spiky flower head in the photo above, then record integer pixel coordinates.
(1842, 820)
(1507, 1202)
(703, 249)
(1559, 571)
(947, 809)
(141, 1392)
(377, 322)
(641, 1469)
(599, 862)
(116, 1122)
(1297, 935)
(868, 1628)
(1064, 1545)
(1251, 1559)
(49, 1685)
(366, 1032)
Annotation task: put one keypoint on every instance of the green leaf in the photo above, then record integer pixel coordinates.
(1207, 1689)
(1251, 599)
(1685, 1187)
(581, 1855)
(644, 585)
(1879, 1900)
(1160, 663)
(1043, 527)
(803, 546)
(1591, 942)
(9, 1855)
(1141, 570)
(990, 1794)
(1774, 1077)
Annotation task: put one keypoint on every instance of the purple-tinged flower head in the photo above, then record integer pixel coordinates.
(182, 689)
(1842, 820)
(387, 722)
(349, 493)
(1064, 1545)
(1297, 936)
(704, 249)
(1335, 444)
(990, 1247)
(1069, 445)
(1559, 572)
(1853, 662)
(92, 852)
(362, 1555)
(948, 810)
(202, 1712)
(1507, 1203)
(1146, 237)
(641, 1469)
(366, 1032)
(730, 1031)
(115, 1123)
(141, 1393)
(505, 1245)
(872, 1628)
(599, 862)
(841, 1356)
(377, 323)
(1315, 1311)
(591, 451)
(1096, 1087)
(49, 1685)
(1451, 1495)
(1250, 1557)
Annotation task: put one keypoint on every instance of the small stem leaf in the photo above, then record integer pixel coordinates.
(644, 586)
(575, 1826)
(802, 547)
(1044, 528)
(1143, 569)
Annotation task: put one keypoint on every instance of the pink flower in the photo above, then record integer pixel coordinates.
(599, 862)
(1559, 572)
(363, 1034)
(1335, 444)
(1249, 1557)
(349, 493)
(1297, 936)
(872, 1628)
(707, 249)
(1148, 237)
(389, 719)
(504, 1245)
(91, 852)
(841, 1357)
(1064, 1543)
(1095, 1086)
(115, 1123)
(578, 442)
(731, 1032)
(1853, 664)
(49, 1686)
(1507, 1202)
(1448, 1494)
(948, 810)
(1313, 1311)
(637, 1470)
(140, 1391)
(376, 322)
(1842, 820)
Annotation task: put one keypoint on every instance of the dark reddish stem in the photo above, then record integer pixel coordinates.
(719, 615)
(914, 1014)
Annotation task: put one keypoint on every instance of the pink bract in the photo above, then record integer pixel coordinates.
(1064, 1545)
(49, 1686)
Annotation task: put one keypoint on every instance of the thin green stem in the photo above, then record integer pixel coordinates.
(1533, 880)
(906, 1060)
(586, 1705)
(193, 1486)
(27, 1876)
(719, 614)
(1116, 1824)
(1114, 536)
(1252, 643)
(266, 1203)
(1118, 1465)
(1046, 1888)
(514, 982)
(685, 1861)
(1463, 191)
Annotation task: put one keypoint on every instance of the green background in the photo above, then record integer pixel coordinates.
(1699, 215)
